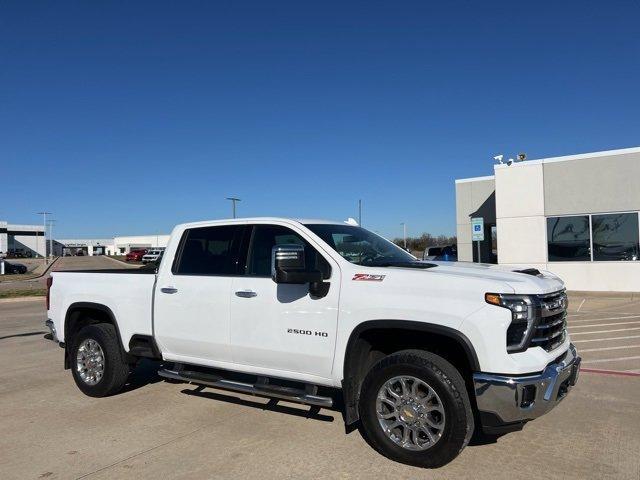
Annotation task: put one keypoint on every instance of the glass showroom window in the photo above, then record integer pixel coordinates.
(615, 236)
(568, 239)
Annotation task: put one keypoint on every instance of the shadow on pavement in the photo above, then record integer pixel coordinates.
(27, 334)
(145, 373)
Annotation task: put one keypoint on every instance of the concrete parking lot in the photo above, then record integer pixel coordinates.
(48, 429)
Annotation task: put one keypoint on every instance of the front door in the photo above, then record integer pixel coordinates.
(191, 312)
(281, 326)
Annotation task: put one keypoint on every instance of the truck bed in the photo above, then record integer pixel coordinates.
(127, 293)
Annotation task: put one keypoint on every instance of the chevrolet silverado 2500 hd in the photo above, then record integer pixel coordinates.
(422, 352)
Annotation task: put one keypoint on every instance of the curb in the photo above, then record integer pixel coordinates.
(8, 282)
(21, 299)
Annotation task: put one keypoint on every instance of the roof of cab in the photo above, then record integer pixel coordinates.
(224, 221)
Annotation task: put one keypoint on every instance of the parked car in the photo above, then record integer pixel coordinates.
(79, 253)
(10, 267)
(424, 353)
(446, 253)
(153, 255)
(135, 255)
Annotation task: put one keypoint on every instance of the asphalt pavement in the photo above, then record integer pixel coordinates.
(155, 429)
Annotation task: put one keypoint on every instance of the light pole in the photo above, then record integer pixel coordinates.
(233, 201)
(360, 212)
(404, 234)
(44, 223)
(51, 222)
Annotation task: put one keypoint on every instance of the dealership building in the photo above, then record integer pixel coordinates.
(108, 246)
(22, 239)
(576, 216)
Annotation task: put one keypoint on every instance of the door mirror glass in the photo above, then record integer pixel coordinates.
(288, 265)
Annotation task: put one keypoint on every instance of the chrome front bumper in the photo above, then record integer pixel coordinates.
(504, 399)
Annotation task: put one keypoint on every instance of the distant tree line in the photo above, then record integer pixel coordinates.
(425, 240)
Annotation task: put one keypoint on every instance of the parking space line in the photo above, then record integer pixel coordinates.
(584, 320)
(581, 303)
(604, 331)
(607, 324)
(601, 349)
(606, 339)
(626, 373)
(605, 360)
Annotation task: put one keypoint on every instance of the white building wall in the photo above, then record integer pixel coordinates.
(23, 237)
(123, 245)
(603, 182)
(520, 220)
(4, 239)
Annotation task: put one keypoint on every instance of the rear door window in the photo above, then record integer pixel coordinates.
(209, 251)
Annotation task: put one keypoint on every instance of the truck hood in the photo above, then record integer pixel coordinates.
(523, 283)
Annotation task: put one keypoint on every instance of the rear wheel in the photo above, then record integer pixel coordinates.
(97, 362)
(414, 409)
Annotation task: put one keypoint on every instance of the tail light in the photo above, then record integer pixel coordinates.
(49, 283)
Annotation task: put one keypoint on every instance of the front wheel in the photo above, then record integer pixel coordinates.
(96, 361)
(414, 409)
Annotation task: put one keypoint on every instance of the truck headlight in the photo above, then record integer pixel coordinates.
(523, 315)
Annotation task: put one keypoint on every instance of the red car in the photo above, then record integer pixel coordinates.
(135, 255)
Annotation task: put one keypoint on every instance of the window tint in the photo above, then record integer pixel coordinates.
(265, 237)
(615, 236)
(209, 251)
(568, 239)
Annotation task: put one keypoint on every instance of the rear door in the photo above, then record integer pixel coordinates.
(191, 312)
(279, 326)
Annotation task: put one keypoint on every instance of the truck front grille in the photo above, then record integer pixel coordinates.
(550, 330)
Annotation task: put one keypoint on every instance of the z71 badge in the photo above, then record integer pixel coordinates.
(365, 277)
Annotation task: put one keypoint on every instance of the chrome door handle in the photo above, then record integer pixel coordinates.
(169, 290)
(246, 293)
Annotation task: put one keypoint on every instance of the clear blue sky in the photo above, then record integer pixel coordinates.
(129, 117)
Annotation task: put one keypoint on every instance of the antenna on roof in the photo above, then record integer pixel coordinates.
(351, 221)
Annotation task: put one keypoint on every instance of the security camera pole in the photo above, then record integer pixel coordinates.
(234, 200)
(44, 223)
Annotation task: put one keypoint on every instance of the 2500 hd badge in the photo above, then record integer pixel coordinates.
(307, 332)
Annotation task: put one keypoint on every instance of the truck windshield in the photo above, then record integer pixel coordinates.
(363, 247)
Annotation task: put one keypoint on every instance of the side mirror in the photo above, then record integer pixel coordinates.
(288, 265)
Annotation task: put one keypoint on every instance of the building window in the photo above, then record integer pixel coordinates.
(568, 239)
(615, 236)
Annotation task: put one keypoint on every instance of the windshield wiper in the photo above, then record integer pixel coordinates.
(415, 264)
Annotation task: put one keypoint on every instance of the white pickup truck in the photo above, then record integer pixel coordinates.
(417, 354)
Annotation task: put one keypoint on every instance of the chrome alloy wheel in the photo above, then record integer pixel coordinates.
(410, 413)
(90, 361)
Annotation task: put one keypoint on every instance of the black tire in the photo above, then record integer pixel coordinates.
(449, 385)
(116, 370)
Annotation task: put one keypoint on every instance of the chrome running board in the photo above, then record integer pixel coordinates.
(262, 387)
